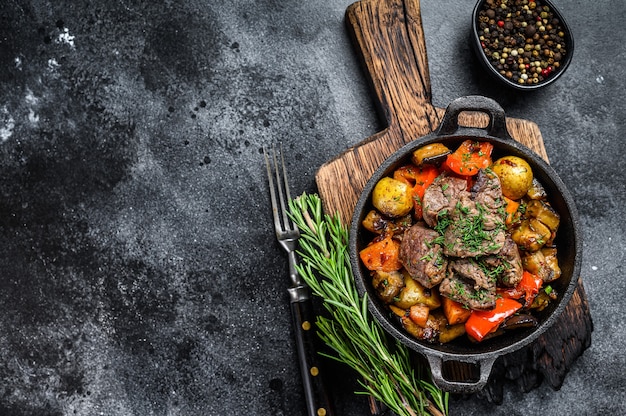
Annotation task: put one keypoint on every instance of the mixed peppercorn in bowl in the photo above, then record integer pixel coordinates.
(525, 44)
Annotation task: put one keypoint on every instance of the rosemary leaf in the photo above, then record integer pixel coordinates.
(352, 335)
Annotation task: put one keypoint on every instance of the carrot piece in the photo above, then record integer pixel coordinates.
(382, 254)
(511, 209)
(419, 314)
(398, 311)
(455, 312)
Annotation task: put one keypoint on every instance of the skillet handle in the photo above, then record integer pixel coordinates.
(497, 119)
(436, 368)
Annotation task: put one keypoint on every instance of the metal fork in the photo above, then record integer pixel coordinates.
(317, 399)
(287, 232)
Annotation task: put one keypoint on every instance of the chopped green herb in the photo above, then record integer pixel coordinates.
(427, 257)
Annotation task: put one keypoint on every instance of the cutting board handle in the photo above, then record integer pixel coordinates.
(391, 43)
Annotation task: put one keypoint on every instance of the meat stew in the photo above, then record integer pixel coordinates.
(476, 261)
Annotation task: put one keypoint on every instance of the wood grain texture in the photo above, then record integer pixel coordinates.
(389, 36)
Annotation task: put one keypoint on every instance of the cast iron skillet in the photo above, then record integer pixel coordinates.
(481, 356)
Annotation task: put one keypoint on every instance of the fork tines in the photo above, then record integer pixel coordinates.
(278, 181)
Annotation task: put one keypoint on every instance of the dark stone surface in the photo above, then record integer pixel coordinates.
(138, 270)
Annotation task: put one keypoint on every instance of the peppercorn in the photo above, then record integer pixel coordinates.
(522, 39)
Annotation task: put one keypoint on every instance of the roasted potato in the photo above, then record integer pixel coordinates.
(430, 332)
(414, 293)
(431, 153)
(531, 235)
(544, 213)
(552, 264)
(451, 332)
(542, 263)
(515, 174)
(535, 263)
(536, 191)
(375, 222)
(387, 284)
(436, 328)
(392, 197)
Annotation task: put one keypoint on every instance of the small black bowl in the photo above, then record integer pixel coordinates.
(488, 62)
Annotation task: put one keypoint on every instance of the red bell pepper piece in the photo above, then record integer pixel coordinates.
(481, 323)
(469, 158)
(530, 284)
(528, 288)
(419, 178)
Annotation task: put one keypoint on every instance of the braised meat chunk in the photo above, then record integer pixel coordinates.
(466, 282)
(421, 255)
(487, 191)
(468, 236)
(506, 264)
(441, 197)
(477, 220)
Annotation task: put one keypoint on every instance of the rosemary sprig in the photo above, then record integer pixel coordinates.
(356, 339)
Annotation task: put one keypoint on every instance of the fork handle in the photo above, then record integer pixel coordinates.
(317, 399)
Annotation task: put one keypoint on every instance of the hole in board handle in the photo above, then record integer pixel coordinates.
(476, 119)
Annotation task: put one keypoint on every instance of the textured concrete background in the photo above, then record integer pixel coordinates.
(138, 270)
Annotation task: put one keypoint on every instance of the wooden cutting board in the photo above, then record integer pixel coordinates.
(389, 36)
